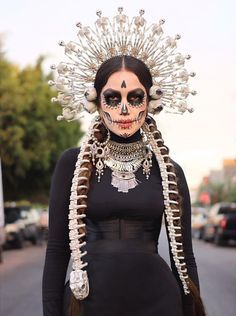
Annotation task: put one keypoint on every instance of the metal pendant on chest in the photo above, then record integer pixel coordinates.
(124, 160)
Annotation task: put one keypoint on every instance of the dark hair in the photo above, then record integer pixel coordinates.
(117, 63)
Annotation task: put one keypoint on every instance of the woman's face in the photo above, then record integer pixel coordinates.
(123, 103)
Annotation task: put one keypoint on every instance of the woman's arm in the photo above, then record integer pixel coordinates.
(58, 252)
(187, 241)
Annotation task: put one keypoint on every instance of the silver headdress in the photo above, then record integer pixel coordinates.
(116, 37)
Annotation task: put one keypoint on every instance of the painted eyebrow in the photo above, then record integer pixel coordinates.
(138, 91)
(111, 92)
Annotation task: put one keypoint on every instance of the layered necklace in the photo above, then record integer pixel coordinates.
(124, 159)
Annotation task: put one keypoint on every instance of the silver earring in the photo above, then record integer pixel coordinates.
(99, 151)
(147, 163)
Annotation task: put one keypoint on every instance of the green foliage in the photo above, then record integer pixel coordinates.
(31, 138)
(231, 194)
(217, 192)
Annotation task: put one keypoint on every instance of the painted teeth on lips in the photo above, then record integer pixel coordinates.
(124, 121)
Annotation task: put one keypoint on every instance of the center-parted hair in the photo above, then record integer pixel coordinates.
(118, 63)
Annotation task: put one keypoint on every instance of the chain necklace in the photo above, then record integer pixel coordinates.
(124, 160)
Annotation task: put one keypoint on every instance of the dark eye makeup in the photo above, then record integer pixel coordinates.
(136, 97)
(112, 97)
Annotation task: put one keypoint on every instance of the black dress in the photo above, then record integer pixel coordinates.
(126, 274)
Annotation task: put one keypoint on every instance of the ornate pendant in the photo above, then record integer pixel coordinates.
(124, 181)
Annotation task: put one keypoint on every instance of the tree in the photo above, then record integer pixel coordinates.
(231, 194)
(217, 192)
(31, 138)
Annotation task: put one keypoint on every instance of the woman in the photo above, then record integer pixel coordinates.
(123, 183)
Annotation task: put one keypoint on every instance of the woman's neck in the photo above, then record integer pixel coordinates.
(131, 139)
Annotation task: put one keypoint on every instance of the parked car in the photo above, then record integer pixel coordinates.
(21, 225)
(221, 223)
(199, 220)
(43, 225)
(2, 219)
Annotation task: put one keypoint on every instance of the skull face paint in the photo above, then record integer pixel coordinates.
(123, 103)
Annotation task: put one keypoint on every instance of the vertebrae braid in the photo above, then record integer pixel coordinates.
(172, 199)
(78, 197)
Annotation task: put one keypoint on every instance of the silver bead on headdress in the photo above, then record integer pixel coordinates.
(116, 37)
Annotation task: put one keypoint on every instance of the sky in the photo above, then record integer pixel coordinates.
(198, 141)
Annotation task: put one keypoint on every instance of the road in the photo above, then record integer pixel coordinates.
(21, 273)
(216, 269)
(20, 282)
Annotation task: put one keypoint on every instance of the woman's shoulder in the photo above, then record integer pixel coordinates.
(63, 172)
(68, 157)
(176, 165)
(178, 169)
(70, 153)
(181, 178)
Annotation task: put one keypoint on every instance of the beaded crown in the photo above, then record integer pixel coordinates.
(116, 37)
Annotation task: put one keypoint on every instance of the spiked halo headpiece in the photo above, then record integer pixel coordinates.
(116, 37)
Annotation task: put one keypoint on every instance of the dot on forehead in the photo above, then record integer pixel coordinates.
(123, 85)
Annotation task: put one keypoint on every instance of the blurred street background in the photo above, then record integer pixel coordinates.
(21, 273)
(31, 139)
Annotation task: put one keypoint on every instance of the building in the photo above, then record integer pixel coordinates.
(216, 176)
(229, 170)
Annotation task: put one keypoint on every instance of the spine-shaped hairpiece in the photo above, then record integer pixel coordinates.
(79, 282)
(172, 214)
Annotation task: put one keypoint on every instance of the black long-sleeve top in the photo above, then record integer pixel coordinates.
(58, 252)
